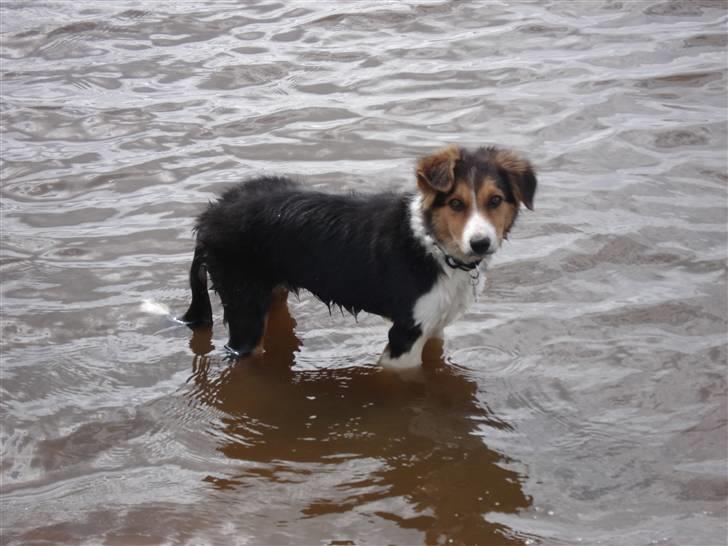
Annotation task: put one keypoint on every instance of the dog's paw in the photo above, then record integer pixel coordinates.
(192, 323)
(237, 354)
(231, 355)
(407, 361)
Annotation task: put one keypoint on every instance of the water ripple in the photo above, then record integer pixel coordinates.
(581, 399)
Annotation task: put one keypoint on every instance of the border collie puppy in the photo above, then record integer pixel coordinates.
(413, 258)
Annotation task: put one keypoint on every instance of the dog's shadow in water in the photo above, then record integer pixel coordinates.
(421, 442)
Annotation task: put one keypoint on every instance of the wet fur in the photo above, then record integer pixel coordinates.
(376, 253)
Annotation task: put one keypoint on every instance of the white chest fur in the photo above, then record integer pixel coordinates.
(448, 298)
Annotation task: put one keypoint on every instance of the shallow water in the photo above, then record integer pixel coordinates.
(581, 400)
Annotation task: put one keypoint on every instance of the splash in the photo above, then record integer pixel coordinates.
(154, 308)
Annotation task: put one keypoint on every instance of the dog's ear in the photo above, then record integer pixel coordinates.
(437, 171)
(519, 173)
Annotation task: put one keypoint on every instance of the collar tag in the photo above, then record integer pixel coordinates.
(474, 283)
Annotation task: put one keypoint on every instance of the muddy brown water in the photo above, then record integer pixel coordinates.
(581, 400)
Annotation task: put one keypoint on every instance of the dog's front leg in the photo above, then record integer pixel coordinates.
(405, 347)
(245, 313)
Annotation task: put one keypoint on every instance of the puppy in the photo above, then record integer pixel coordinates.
(414, 258)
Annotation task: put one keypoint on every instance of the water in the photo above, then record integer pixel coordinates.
(582, 400)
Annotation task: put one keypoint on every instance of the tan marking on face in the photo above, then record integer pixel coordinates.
(448, 225)
(500, 217)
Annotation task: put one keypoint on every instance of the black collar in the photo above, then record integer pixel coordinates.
(457, 264)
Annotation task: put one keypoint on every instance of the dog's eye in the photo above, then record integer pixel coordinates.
(456, 205)
(494, 202)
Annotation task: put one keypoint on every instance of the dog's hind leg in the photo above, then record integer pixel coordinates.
(200, 310)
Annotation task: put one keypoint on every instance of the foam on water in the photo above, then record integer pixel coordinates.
(154, 308)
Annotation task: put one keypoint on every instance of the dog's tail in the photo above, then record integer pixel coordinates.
(200, 310)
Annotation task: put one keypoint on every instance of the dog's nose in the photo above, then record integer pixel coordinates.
(480, 246)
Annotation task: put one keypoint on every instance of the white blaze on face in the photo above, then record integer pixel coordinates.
(478, 227)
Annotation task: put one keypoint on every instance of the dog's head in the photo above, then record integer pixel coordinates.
(470, 199)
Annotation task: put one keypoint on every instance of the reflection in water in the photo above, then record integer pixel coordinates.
(413, 439)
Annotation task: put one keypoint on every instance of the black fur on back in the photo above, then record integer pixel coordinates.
(356, 251)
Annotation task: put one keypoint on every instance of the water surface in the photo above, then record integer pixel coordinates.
(581, 400)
